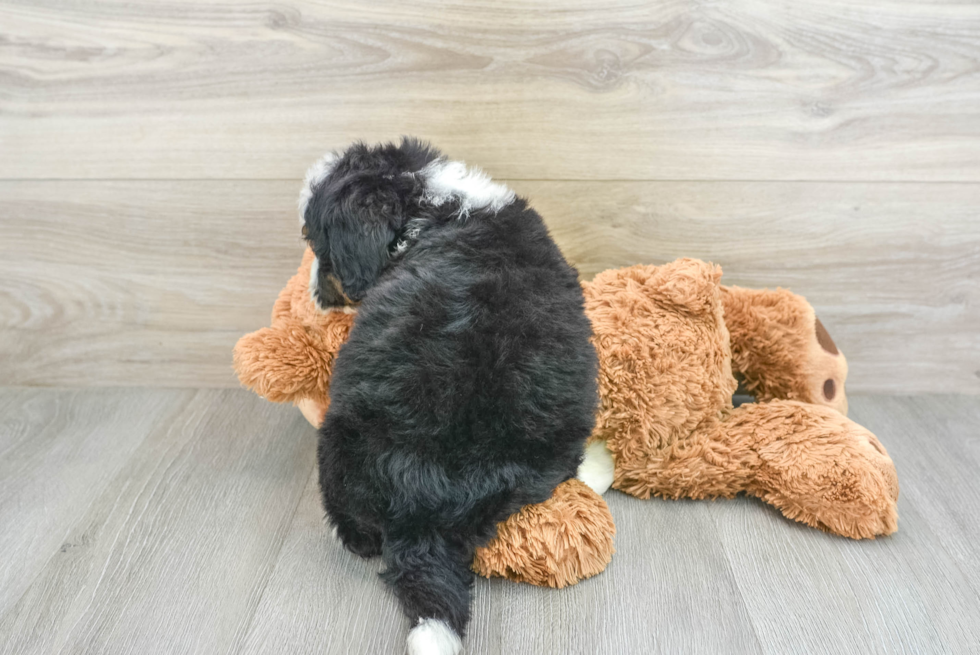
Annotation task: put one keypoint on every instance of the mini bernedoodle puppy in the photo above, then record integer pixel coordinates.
(467, 388)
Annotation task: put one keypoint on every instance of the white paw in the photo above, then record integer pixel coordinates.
(596, 470)
(433, 637)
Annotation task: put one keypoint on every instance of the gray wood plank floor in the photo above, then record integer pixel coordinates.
(187, 521)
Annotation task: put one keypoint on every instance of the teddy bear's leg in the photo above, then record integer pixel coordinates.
(701, 466)
(817, 467)
(813, 463)
(781, 350)
(557, 543)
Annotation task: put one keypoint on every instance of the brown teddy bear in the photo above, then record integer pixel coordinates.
(671, 341)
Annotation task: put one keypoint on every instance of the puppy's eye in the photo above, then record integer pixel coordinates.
(306, 232)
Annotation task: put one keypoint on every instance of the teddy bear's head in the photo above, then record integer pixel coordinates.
(292, 359)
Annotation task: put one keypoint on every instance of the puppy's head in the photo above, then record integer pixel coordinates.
(353, 207)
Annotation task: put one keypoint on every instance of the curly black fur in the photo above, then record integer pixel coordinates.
(468, 386)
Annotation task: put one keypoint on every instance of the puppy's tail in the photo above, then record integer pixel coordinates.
(431, 577)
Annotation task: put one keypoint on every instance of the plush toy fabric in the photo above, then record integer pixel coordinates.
(666, 358)
(670, 341)
(558, 542)
(292, 360)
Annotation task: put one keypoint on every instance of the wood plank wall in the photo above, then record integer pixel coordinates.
(151, 152)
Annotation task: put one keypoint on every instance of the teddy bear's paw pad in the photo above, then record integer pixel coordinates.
(567, 538)
(826, 369)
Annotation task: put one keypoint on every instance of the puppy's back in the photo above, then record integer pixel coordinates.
(467, 388)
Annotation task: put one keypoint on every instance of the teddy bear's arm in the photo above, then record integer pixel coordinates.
(781, 350)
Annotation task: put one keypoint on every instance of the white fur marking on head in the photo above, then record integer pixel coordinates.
(448, 180)
(433, 637)
(596, 470)
(315, 174)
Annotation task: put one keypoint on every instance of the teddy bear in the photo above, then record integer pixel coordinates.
(674, 345)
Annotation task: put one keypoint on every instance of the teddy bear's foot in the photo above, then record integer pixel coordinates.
(820, 468)
(557, 543)
(312, 410)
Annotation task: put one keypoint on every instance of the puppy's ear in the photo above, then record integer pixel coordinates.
(354, 210)
(360, 243)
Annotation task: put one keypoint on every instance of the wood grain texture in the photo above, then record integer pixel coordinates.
(58, 451)
(669, 589)
(321, 599)
(210, 539)
(832, 89)
(941, 451)
(139, 283)
(174, 554)
(689, 577)
(150, 157)
(152, 282)
(893, 271)
(808, 592)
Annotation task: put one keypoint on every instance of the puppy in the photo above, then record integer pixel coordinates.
(467, 388)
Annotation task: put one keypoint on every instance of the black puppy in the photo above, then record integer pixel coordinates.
(468, 385)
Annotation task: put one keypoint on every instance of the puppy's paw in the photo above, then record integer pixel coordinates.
(433, 637)
(362, 543)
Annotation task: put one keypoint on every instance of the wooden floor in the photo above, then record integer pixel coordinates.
(187, 521)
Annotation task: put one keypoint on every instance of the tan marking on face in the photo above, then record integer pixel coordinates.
(335, 283)
(823, 338)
